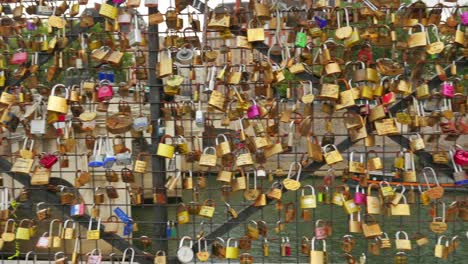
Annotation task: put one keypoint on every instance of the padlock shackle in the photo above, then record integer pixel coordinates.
(443, 211)
(403, 188)
(93, 252)
(312, 244)
(290, 172)
(397, 235)
(205, 244)
(229, 240)
(26, 257)
(181, 243)
(51, 227)
(125, 254)
(310, 187)
(358, 216)
(433, 174)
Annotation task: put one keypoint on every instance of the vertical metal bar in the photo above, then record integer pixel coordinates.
(158, 164)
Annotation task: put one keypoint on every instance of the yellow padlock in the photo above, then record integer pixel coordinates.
(331, 157)
(387, 191)
(207, 209)
(232, 251)
(182, 214)
(310, 200)
(93, 234)
(165, 150)
(23, 230)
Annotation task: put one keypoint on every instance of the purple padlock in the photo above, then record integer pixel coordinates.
(447, 89)
(30, 25)
(464, 18)
(360, 197)
(253, 111)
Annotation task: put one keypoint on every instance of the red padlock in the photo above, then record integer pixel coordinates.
(48, 160)
(105, 91)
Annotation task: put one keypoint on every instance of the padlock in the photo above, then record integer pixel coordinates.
(401, 258)
(285, 248)
(203, 254)
(417, 142)
(57, 103)
(402, 244)
(60, 258)
(418, 39)
(293, 184)
(373, 202)
(94, 234)
(42, 213)
(105, 91)
(208, 159)
(441, 250)
(318, 256)
(308, 201)
(331, 157)
(23, 230)
(224, 147)
(232, 251)
(77, 209)
(386, 191)
(406, 162)
(165, 150)
(182, 214)
(320, 229)
(374, 163)
(135, 36)
(349, 206)
(360, 198)
(55, 240)
(439, 224)
(354, 225)
(356, 166)
(207, 209)
(459, 175)
(69, 231)
(447, 89)
(435, 192)
(97, 159)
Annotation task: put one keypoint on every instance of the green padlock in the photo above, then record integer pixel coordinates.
(301, 39)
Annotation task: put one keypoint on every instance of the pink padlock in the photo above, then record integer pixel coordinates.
(464, 18)
(447, 89)
(19, 57)
(461, 157)
(253, 111)
(105, 91)
(321, 231)
(360, 197)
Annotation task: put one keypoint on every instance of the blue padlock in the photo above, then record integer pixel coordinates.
(106, 73)
(321, 22)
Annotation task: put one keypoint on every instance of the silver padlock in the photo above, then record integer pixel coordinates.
(140, 123)
(124, 159)
(109, 158)
(97, 159)
(211, 81)
(199, 116)
(135, 37)
(38, 126)
(261, 172)
(161, 128)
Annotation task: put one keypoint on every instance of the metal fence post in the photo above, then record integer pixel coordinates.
(158, 173)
